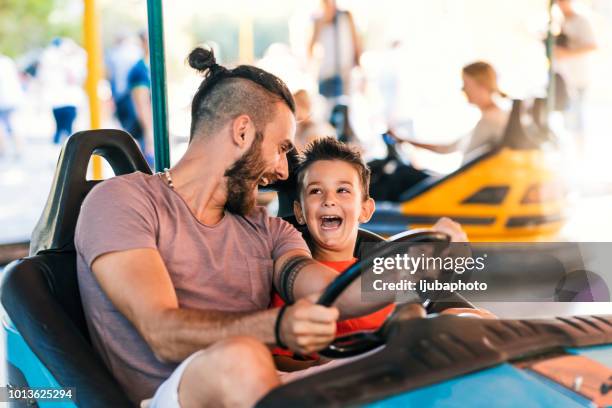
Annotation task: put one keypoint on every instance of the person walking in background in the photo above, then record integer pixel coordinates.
(11, 96)
(572, 52)
(119, 60)
(336, 34)
(62, 72)
(139, 122)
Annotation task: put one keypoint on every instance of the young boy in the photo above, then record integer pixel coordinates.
(333, 199)
(333, 194)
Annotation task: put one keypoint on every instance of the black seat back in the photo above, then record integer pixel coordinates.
(40, 293)
(516, 136)
(55, 228)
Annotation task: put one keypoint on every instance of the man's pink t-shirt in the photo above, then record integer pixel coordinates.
(225, 267)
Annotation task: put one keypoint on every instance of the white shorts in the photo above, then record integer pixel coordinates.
(166, 395)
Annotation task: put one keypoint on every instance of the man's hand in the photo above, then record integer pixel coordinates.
(452, 228)
(307, 327)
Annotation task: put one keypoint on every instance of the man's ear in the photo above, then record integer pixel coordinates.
(242, 127)
(299, 214)
(367, 209)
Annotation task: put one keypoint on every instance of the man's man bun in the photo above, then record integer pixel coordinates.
(202, 60)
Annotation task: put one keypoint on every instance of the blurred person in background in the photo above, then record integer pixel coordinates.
(574, 46)
(335, 32)
(481, 89)
(62, 72)
(119, 60)
(309, 127)
(139, 123)
(11, 96)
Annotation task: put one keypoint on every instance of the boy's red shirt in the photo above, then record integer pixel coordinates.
(369, 322)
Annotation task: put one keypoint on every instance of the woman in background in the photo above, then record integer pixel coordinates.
(480, 88)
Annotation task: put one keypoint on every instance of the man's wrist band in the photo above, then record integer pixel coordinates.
(288, 275)
(279, 318)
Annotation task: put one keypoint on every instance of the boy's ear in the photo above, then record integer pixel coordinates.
(367, 209)
(297, 211)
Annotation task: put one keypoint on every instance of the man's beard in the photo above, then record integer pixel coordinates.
(243, 177)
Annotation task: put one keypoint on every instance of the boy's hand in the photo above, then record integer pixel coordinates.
(451, 228)
(307, 327)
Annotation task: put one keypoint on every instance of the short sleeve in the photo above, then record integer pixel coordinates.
(285, 238)
(139, 76)
(116, 215)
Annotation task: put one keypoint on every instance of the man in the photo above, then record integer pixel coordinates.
(179, 266)
(137, 102)
(335, 32)
(172, 264)
(119, 60)
(574, 45)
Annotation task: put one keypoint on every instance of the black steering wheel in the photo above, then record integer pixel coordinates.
(363, 341)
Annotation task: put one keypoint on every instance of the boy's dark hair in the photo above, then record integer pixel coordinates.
(226, 93)
(329, 148)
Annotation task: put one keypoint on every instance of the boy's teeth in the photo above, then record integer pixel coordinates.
(330, 221)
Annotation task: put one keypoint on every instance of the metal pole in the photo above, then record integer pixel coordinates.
(91, 40)
(158, 84)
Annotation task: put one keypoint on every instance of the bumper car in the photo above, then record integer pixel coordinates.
(436, 361)
(509, 193)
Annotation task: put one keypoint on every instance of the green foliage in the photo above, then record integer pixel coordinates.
(26, 25)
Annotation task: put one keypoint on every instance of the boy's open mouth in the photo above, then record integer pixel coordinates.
(329, 222)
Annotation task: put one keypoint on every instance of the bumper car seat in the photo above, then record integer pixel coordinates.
(40, 293)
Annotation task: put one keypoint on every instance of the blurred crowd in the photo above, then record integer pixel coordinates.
(333, 92)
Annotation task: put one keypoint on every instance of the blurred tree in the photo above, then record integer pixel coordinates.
(223, 30)
(268, 31)
(28, 24)
(220, 29)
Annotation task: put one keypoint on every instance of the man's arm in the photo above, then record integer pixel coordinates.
(314, 38)
(357, 47)
(138, 284)
(297, 275)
